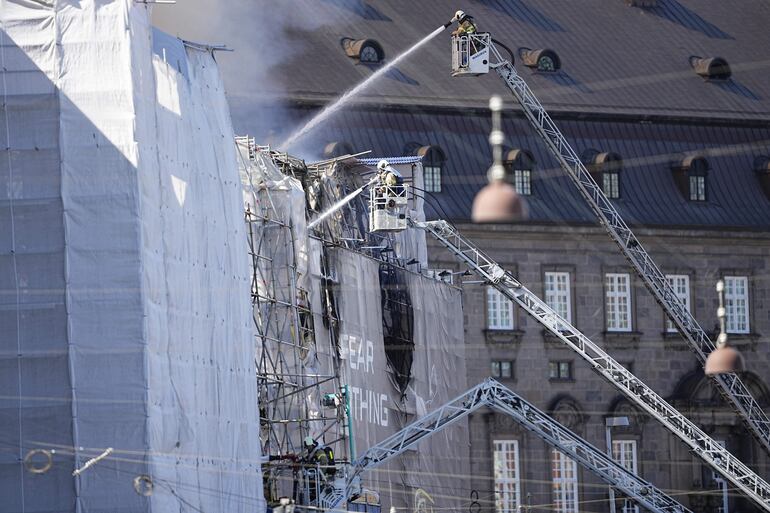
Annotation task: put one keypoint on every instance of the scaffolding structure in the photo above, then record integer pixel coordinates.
(290, 387)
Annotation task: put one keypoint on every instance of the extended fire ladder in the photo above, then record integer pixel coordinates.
(730, 385)
(493, 394)
(643, 396)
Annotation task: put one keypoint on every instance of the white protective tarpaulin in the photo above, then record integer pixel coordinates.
(125, 318)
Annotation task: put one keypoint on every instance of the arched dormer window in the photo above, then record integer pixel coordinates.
(520, 164)
(691, 175)
(433, 162)
(605, 168)
(337, 149)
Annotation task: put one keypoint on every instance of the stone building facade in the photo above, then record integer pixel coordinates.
(583, 399)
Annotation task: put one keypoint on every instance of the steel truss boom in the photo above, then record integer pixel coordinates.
(493, 394)
(643, 396)
(730, 386)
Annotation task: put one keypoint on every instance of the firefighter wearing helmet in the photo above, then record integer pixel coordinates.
(389, 175)
(465, 24)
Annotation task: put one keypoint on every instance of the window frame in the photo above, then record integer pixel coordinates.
(523, 176)
(613, 294)
(503, 504)
(561, 486)
(499, 373)
(700, 190)
(559, 365)
(432, 157)
(608, 191)
(431, 177)
(620, 458)
(567, 294)
(729, 297)
(670, 327)
(498, 326)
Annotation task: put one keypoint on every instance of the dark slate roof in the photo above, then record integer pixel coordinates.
(649, 194)
(616, 58)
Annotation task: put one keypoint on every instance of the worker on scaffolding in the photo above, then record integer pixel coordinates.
(465, 27)
(321, 456)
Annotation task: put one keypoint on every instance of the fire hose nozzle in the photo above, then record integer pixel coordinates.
(446, 25)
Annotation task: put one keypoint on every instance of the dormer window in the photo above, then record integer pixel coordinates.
(337, 149)
(520, 164)
(544, 59)
(605, 168)
(433, 161)
(365, 51)
(713, 68)
(691, 175)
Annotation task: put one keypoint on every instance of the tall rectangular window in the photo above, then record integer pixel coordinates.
(624, 452)
(697, 188)
(506, 470)
(565, 482)
(737, 304)
(557, 294)
(618, 301)
(522, 181)
(432, 175)
(499, 311)
(611, 184)
(681, 285)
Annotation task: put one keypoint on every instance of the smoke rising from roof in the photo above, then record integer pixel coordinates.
(263, 35)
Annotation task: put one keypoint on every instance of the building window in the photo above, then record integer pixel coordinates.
(618, 303)
(519, 164)
(432, 176)
(697, 187)
(565, 482)
(557, 294)
(737, 304)
(681, 285)
(522, 181)
(624, 452)
(499, 311)
(502, 369)
(506, 470)
(433, 162)
(611, 184)
(560, 370)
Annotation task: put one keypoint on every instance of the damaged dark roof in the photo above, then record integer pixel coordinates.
(615, 58)
(649, 195)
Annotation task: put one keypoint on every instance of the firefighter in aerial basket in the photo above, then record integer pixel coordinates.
(391, 183)
(465, 27)
(388, 174)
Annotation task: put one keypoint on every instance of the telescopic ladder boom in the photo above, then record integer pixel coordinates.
(730, 386)
(632, 387)
(493, 394)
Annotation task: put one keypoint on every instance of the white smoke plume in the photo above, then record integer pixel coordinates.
(264, 34)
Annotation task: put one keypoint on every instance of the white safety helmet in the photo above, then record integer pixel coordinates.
(459, 15)
(382, 165)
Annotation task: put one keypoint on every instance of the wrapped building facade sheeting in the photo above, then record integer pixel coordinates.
(124, 306)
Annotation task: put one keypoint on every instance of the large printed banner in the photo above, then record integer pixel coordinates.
(430, 475)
